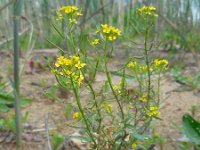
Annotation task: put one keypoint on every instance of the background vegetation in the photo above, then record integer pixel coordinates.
(177, 25)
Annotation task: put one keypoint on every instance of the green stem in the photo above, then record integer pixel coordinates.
(17, 12)
(110, 82)
(82, 113)
(95, 103)
(158, 89)
(147, 63)
(72, 41)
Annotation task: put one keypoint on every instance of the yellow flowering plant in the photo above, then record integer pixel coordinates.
(112, 117)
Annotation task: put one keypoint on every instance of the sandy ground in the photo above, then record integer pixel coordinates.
(174, 105)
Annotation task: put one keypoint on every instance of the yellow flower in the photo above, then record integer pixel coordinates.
(160, 64)
(155, 15)
(95, 42)
(117, 89)
(130, 106)
(67, 72)
(79, 14)
(60, 61)
(111, 33)
(69, 68)
(147, 10)
(79, 65)
(132, 64)
(77, 115)
(108, 107)
(153, 111)
(80, 79)
(75, 59)
(68, 62)
(69, 10)
(143, 98)
(134, 145)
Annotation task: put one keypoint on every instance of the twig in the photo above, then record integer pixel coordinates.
(47, 132)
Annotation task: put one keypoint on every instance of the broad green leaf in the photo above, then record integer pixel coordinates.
(6, 95)
(3, 108)
(6, 102)
(191, 128)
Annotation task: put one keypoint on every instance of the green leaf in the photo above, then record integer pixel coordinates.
(56, 141)
(119, 134)
(68, 110)
(139, 136)
(191, 128)
(6, 102)
(82, 138)
(8, 96)
(25, 102)
(4, 108)
(58, 31)
(55, 45)
(9, 123)
(130, 126)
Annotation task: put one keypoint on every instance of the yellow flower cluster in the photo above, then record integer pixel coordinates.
(76, 115)
(153, 111)
(70, 11)
(138, 67)
(143, 98)
(134, 145)
(111, 33)
(148, 11)
(107, 107)
(117, 89)
(132, 64)
(160, 64)
(95, 42)
(70, 68)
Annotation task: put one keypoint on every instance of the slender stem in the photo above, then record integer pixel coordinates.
(147, 63)
(95, 103)
(110, 82)
(82, 113)
(158, 89)
(72, 41)
(17, 12)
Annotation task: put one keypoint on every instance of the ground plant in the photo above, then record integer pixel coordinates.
(114, 117)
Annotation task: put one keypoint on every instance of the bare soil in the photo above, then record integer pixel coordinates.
(37, 78)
